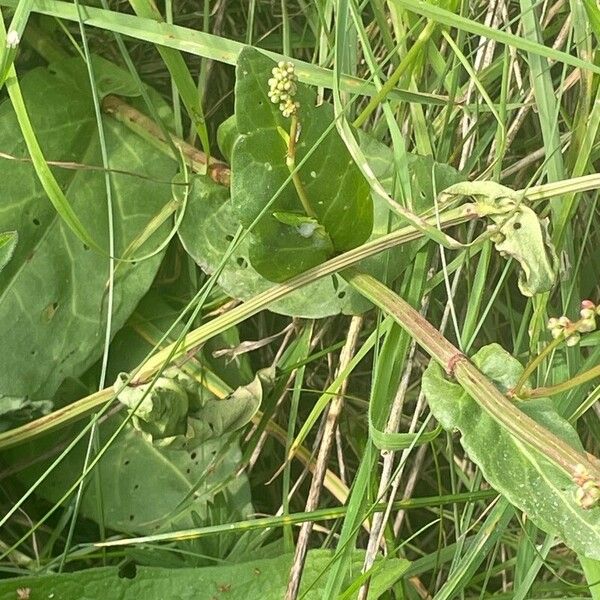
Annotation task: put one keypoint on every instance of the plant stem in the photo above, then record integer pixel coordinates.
(321, 514)
(86, 405)
(531, 367)
(290, 161)
(147, 129)
(391, 83)
(478, 386)
(551, 390)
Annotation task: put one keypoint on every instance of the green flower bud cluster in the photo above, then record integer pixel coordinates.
(572, 330)
(587, 494)
(283, 88)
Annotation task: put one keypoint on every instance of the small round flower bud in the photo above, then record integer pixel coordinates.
(580, 474)
(587, 313)
(12, 39)
(587, 304)
(588, 495)
(586, 325)
(282, 88)
(552, 323)
(573, 339)
(564, 321)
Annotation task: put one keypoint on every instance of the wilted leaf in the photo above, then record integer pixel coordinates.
(176, 412)
(517, 232)
(265, 579)
(530, 481)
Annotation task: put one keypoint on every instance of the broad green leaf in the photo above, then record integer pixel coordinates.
(517, 232)
(210, 462)
(53, 294)
(8, 243)
(527, 479)
(109, 78)
(265, 579)
(133, 502)
(337, 191)
(206, 232)
(209, 225)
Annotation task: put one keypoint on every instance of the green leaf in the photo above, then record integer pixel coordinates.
(265, 579)
(133, 502)
(109, 78)
(517, 232)
(338, 193)
(176, 412)
(206, 232)
(8, 243)
(15, 411)
(159, 410)
(227, 134)
(593, 14)
(180, 74)
(527, 479)
(53, 297)
(209, 225)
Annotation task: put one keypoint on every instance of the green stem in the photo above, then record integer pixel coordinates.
(551, 390)
(475, 383)
(290, 161)
(532, 366)
(391, 83)
(86, 405)
(322, 514)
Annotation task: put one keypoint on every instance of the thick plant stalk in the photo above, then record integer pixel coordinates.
(146, 128)
(199, 336)
(477, 385)
(316, 485)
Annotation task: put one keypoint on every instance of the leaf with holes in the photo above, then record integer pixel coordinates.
(53, 292)
(338, 193)
(184, 482)
(263, 578)
(532, 483)
(209, 226)
(517, 232)
(209, 457)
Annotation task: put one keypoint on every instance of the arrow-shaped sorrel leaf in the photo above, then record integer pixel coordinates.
(528, 479)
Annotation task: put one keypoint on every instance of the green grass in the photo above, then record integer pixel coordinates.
(520, 109)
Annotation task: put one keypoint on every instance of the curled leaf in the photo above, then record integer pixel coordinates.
(160, 410)
(174, 412)
(517, 232)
